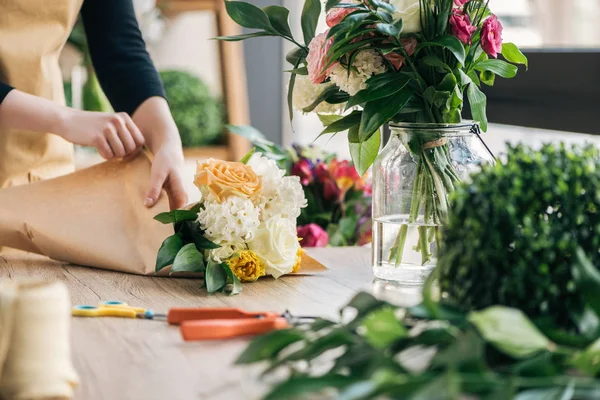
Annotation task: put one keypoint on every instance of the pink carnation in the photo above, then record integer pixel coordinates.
(396, 59)
(312, 235)
(317, 58)
(461, 27)
(460, 3)
(491, 36)
(336, 15)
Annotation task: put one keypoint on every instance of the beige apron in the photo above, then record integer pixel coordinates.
(32, 35)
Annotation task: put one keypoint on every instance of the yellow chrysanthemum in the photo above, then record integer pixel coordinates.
(246, 266)
(298, 260)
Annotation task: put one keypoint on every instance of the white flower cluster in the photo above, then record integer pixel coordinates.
(366, 64)
(306, 92)
(264, 223)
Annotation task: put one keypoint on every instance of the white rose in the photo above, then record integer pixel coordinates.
(410, 12)
(276, 245)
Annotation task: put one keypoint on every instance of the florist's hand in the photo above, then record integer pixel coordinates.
(167, 169)
(113, 134)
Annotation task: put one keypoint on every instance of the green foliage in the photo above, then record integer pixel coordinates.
(526, 234)
(197, 113)
(390, 352)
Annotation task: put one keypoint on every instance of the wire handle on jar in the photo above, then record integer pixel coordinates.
(477, 131)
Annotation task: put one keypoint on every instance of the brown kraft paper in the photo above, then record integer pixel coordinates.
(94, 217)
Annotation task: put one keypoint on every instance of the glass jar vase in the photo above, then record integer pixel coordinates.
(412, 179)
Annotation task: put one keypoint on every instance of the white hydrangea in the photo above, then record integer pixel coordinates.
(232, 221)
(287, 200)
(306, 92)
(366, 64)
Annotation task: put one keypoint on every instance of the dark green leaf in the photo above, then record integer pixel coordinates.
(382, 328)
(236, 284)
(478, 103)
(364, 303)
(388, 29)
(188, 259)
(448, 42)
(268, 346)
(467, 348)
(310, 19)
(244, 36)
(296, 56)
(298, 71)
(554, 393)
(363, 153)
(323, 96)
(343, 124)
(378, 112)
(190, 231)
(248, 15)
(299, 387)
(498, 67)
(379, 86)
(331, 3)
(175, 216)
(278, 16)
(382, 4)
(510, 331)
(328, 119)
(167, 252)
(215, 277)
(587, 278)
(512, 54)
(434, 61)
(247, 157)
(446, 387)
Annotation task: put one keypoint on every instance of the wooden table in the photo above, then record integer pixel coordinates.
(139, 359)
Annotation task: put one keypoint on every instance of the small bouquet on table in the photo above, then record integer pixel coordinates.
(243, 228)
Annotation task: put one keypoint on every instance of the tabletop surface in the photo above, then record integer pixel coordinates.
(141, 359)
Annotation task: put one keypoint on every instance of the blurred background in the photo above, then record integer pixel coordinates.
(559, 92)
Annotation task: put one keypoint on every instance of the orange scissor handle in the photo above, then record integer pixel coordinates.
(178, 315)
(229, 328)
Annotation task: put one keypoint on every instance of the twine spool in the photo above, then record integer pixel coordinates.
(35, 342)
(435, 143)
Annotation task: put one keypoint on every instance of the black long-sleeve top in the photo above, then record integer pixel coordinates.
(118, 53)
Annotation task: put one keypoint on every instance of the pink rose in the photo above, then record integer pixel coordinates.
(303, 170)
(336, 15)
(317, 59)
(491, 36)
(460, 3)
(461, 27)
(396, 59)
(312, 235)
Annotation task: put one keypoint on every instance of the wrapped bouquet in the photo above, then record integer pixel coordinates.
(243, 228)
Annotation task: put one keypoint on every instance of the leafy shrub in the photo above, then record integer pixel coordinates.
(516, 231)
(197, 113)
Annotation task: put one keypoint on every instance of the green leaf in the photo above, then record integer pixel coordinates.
(268, 346)
(328, 119)
(376, 113)
(488, 78)
(446, 387)
(363, 153)
(379, 86)
(512, 54)
(167, 252)
(299, 387)
(331, 3)
(498, 67)
(248, 15)
(510, 331)
(233, 279)
(215, 277)
(279, 16)
(175, 216)
(298, 71)
(328, 92)
(310, 19)
(587, 278)
(478, 103)
(248, 155)
(290, 94)
(244, 36)
(343, 124)
(588, 361)
(188, 259)
(296, 56)
(434, 61)
(364, 303)
(554, 393)
(388, 29)
(448, 42)
(382, 328)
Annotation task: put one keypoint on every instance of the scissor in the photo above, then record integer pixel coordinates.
(197, 323)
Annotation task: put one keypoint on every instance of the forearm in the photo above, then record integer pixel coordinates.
(20, 110)
(153, 118)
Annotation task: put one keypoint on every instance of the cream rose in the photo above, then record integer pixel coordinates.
(276, 245)
(410, 12)
(224, 179)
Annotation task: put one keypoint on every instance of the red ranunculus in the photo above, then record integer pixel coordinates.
(491, 36)
(461, 27)
(312, 235)
(303, 170)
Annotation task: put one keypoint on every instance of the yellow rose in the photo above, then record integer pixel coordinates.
(246, 266)
(226, 178)
(298, 260)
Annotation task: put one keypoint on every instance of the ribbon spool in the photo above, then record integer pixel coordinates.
(35, 341)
